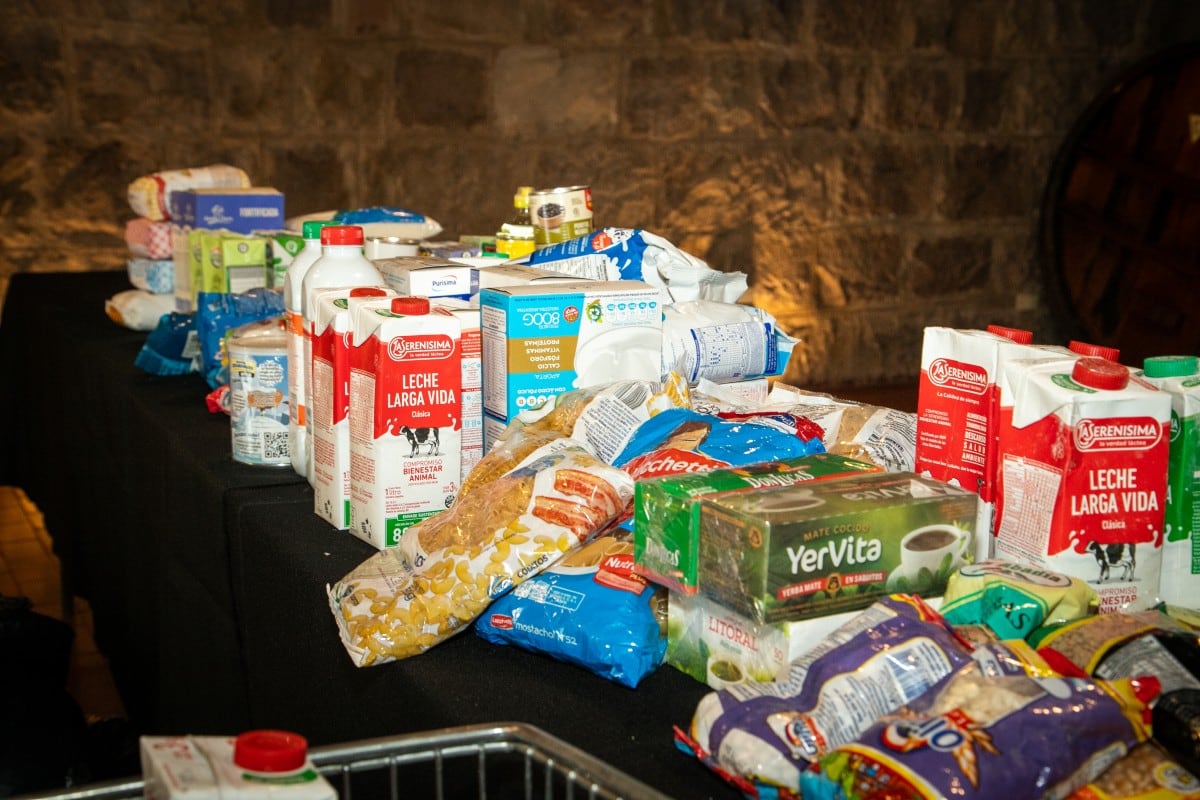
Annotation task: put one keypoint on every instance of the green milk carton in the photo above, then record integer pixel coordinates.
(666, 511)
(1179, 376)
(235, 264)
(825, 547)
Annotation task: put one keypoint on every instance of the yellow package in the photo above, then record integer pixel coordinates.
(1014, 599)
(449, 567)
(1146, 773)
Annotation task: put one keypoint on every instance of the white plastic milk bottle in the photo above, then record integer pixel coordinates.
(293, 303)
(342, 263)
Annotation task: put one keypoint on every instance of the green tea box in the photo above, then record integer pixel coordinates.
(667, 509)
(824, 547)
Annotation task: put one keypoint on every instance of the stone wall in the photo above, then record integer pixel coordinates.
(874, 165)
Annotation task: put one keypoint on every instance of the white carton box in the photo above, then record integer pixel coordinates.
(542, 340)
(423, 276)
(203, 768)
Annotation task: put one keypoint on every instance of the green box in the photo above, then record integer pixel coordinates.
(820, 548)
(234, 263)
(666, 517)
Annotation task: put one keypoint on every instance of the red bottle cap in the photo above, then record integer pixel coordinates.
(410, 306)
(367, 291)
(270, 751)
(1018, 335)
(1097, 350)
(342, 234)
(1100, 373)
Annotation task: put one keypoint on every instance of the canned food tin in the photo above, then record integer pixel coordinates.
(561, 214)
(258, 396)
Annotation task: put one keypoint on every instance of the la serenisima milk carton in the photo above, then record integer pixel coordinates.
(406, 420)
(1083, 474)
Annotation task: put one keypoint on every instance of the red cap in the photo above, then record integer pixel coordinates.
(270, 751)
(411, 306)
(1097, 350)
(1100, 373)
(342, 234)
(1018, 335)
(367, 291)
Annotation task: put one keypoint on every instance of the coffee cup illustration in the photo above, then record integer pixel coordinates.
(928, 546)
(723, 672)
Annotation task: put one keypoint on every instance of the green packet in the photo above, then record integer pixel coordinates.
(1014, 599)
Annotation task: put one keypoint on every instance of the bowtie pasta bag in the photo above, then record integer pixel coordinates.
(449, 567)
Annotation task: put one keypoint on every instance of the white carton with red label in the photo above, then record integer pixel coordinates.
(331, 400)
(256, 764)
(406, 421)
(957, 408)
(1082, 475)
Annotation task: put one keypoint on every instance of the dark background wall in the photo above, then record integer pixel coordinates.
(874, 165)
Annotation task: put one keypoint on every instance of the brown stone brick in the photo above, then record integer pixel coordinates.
(951, 264)
(441, 88)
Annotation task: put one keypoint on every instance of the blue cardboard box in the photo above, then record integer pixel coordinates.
(242, 211)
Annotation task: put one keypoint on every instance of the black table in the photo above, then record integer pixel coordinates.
(207, 577)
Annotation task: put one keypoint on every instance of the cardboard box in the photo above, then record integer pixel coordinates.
(823, 547)
(666, 513)
(542, 340)
(239, 210)
(236, 264)
(426, 276)
(722, 648)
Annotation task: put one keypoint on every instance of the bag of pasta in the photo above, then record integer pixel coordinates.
(449, 567)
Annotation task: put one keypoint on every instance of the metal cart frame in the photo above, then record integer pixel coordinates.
(551, 768)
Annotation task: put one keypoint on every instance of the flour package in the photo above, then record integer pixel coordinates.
(723, 342)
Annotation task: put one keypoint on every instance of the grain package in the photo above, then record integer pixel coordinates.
(981, 736)
(823, 547)
(1013, 599)
(448, 568)
(667, 508)
(879, 659)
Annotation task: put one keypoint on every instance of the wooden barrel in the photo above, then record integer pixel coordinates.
(1120, 227)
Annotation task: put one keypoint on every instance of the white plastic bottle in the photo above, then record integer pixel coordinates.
(342, 264)
(293, 301)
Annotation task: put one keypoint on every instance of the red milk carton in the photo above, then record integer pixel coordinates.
(406, 422)
(1083, 475)
(957, 407)
(331, 400)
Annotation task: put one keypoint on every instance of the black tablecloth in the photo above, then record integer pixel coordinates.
(207, 577)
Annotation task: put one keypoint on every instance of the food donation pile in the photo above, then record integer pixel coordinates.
(588, 452)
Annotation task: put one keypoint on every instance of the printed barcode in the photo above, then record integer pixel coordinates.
(909, 678)
(275, 445)
(634, 394)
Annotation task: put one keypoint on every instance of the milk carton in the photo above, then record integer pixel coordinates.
(331, 402)
(542, 340)
(472, 379)
(1082, 475)
(1179, 376)
(269, 764)
(406, 421)
(958, 408)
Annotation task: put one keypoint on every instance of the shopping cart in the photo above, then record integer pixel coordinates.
(490, 762)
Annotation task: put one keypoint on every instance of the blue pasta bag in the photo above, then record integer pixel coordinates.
(679, 441)
(172, 347)
(218, 313)
(590, 610)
